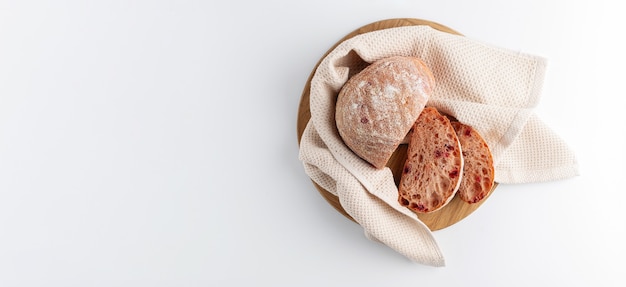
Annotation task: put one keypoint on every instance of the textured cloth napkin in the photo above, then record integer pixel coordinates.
(492, 89)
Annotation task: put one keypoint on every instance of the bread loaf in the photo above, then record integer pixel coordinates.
(434, 165)
(478, 170)
(376, 108)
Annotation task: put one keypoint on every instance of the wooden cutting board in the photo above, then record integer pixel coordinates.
(456, 209)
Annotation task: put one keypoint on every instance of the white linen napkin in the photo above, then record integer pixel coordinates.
(491, 89)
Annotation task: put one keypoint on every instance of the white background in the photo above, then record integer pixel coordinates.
(153, 143)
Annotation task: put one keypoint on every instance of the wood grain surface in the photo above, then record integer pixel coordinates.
(455, 210)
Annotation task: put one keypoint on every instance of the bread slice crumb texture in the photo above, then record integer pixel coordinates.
(478, 172)
(434, 166)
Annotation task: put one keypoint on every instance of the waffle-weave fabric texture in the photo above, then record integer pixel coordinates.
(489, 88)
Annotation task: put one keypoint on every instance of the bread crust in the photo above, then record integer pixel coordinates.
(377, 107)
(478, 171)
(434, 166)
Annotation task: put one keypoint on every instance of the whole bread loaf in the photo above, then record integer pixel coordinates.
(478, 170)
(434, 165)
(377, 107)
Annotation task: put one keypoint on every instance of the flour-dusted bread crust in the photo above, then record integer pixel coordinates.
(434, 165)
(376, 108)
(478, 171)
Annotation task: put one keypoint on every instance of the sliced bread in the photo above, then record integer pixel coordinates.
(478, 170)
(434, 165)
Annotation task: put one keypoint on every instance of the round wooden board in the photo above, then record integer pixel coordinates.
(456, 209)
